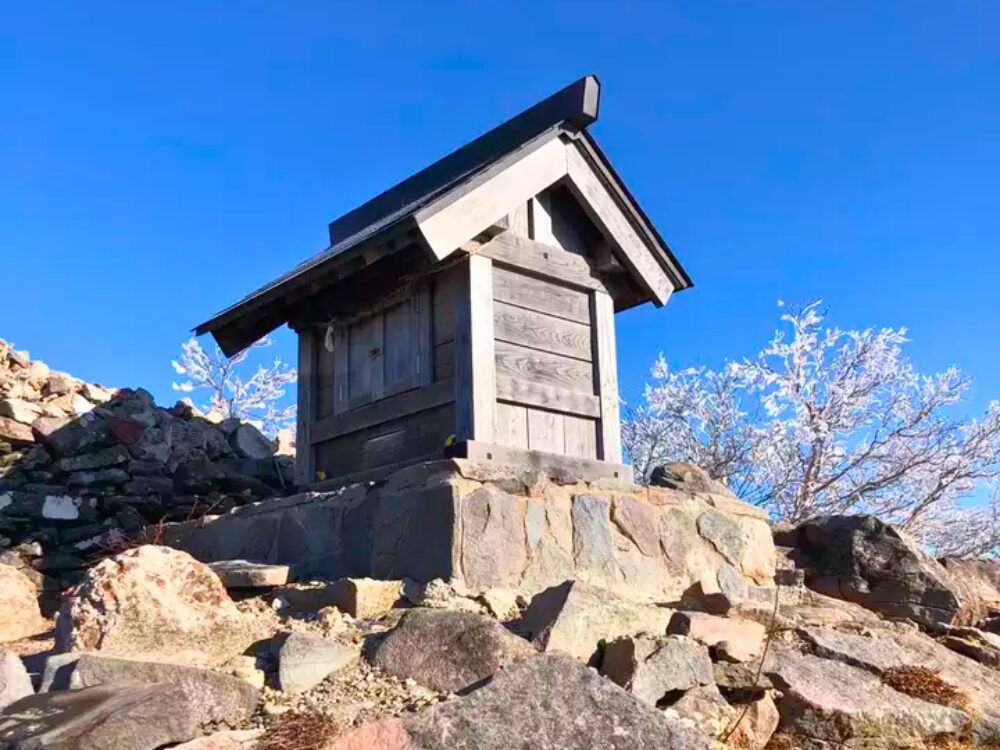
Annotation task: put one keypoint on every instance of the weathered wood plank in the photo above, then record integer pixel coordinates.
(475, 375)
(341, 369)
(606, 375)
(546, 431)
(608, 217)
(445, 289)
(448, 222)
(517, 325)
(422, 332)
(542, 296)
(304, 454)
(541, 220)
(527, 393)
(390, 443)
(567, 468)
(581, 436)
(544, 368)
(512, 425)
(517, 220)
(399, 349)
(385, 410)
(444, 361)
(361, 345)
(542, 260)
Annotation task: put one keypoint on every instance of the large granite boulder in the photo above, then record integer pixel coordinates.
(20, 616)
(548, 701)
(826, 701)
(124, 715)
(154, 601)
(574, 618)
(14, 680)
(882, 650)
(448, 651)
(866, 561)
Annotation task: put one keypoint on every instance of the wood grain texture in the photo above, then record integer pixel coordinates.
(550, 263)
(385, 410)
(447, 222)
(542, 296)
(389, 443)
(528, 393)
(421, 330)
(306, 406)
(606, 375)
(445, 288)
(543, 368)
(609, 217)
(546, 431)
(580, 436)
(511, 425)
(536, 330)
(341, 370)
(517, 220)
(541, 220)
(475, 375)
(399, 353)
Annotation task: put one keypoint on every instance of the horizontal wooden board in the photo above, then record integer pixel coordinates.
(543, 368)
(569, 468)
(546, 431)
(546, 261)
(415, 436)
(385, 410)
(527, 393)
(542, 296)
(536, 330)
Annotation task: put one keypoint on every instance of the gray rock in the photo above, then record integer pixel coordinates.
(68, 437)
(123, 716)
(242, 574)
(114, 477)
(593, 547)
(654, 668)
(865, 561)
(637, 521)
(833, 702)
(150, 485)
(446, 650)
(116, 454)
(306, 660)
(249, 442)
(575, 618)
(493, 540)
(550, 702)
(686, 477)
(724, 533)
(15, 683)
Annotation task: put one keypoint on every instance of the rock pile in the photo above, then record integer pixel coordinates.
(84, 468)
(155, 654)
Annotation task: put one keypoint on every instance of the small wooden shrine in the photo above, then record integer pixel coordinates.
(469, 310)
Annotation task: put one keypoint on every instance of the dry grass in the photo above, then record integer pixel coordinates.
(925, 684)
(300, 730)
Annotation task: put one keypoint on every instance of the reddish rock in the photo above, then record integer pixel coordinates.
(20, 616)
(381, 735)
(15, 432)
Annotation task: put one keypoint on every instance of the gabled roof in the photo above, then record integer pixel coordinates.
(401, 209)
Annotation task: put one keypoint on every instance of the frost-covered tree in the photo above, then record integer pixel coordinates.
(826, 420)
(230, 394)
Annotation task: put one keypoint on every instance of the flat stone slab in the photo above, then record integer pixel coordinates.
(243, 574)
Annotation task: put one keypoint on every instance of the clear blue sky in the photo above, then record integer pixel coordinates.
(158, 162)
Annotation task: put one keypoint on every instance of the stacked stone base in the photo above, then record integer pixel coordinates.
(482, 525)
